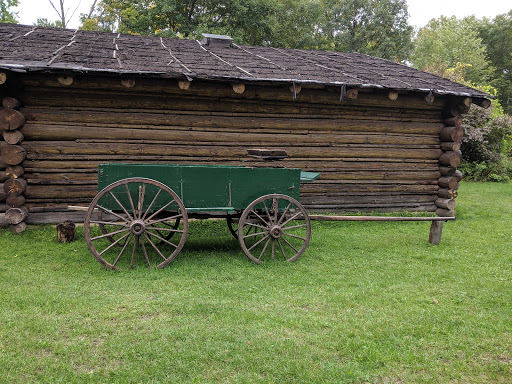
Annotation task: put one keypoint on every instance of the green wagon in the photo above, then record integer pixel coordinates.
(145, 209)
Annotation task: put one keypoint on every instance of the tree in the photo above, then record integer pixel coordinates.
(496, 34)
(7, 16)
(64, 16)
(445, 43)
(374, 27)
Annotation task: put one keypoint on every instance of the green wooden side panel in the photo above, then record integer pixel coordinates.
(208, 187)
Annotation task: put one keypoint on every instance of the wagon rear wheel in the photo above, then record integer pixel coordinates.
(274, 226)
(135, 216)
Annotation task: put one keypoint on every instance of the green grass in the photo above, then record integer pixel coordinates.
(367, 303)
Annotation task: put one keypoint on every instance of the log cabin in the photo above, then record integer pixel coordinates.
(384, 136)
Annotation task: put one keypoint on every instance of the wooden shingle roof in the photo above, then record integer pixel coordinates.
(29, 48)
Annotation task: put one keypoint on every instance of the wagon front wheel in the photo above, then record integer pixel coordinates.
(274, 226)
(135, 216)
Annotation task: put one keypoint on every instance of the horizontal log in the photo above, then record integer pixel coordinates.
(10, 119)
(445, 212)
(14, 171)
(13, 137)
(447, 193)
(447, 171)
(251, 91)
(458, 175)
(172, 135)
(451, 159)
(3, 195)
(455, 121)
(166, 119)
(451, 134)
(450, 145)
(484, 103)
(207, 106)
(15, 186)
(11, 102)
(18, 228)
(448, 182)
(60, 192)
(15, 201)
(448, 204)
(13, 154)
(16, 215)
(3, 176)
(368, 199)
(365, 151)
(315, 188)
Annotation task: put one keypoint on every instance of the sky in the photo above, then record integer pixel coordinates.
(420, 11)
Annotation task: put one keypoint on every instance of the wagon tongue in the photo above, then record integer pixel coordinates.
(267, 154)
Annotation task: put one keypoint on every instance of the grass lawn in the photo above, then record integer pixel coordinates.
(367, 303)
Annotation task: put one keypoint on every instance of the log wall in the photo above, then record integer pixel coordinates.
(374, 152)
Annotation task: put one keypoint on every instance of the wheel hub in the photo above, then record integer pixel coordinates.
(275, 231)
(138, 227)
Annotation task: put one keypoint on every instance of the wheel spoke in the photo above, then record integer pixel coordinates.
(258, 242)
(255, 234)
(130, 199)
(295, 236)
(163, 220)
(255, 225)
(158, 229)
(151, 205)
(135, 244)
(162, 239)
(122, 250)
(117, 224)
(281, 247)
(268, 213)
(264, 248)
(112, 213)
(114, 243)
(259, 217)
(144, 251)
(291, 218)
(110, 234)
(160, 210)
(284, 214)
(295, 226)
(273, 248)
(121, 205)
(290, 245)
(140, 204)
(154, 246)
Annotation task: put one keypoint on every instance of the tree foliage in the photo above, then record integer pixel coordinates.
(6, 15)
(446, 42)
(496, 34)
(376, 27)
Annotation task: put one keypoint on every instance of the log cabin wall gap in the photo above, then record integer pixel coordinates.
(384, 137)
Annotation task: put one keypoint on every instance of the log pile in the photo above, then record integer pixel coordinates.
(451, 139)
(12, 154)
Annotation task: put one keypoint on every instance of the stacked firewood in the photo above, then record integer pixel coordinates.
(12, 155)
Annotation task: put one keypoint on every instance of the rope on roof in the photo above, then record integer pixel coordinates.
(57, 52)
(174, 58)
(318, 65)
(116, 49)
(24, 35)
(224, 61)
(259, 56)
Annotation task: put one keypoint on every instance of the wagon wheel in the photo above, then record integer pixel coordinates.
(135, 214)
(166, 235)
(281, 228)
